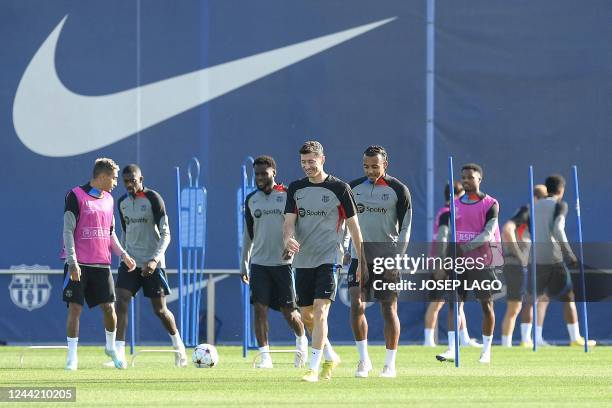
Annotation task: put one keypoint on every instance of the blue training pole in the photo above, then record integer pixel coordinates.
(533, 259)
(453, 242)
(246, 315)
(132, 327)
(580, 260)
(180, 255)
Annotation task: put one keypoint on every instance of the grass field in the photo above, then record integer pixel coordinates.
(556, 376)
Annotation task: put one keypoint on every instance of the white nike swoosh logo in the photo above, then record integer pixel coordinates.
(51, 120)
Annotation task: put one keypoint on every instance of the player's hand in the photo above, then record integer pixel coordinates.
(244, 277)
(75, 272)
(573, 262)
(292, 246)
(148, 268)
(129, 262)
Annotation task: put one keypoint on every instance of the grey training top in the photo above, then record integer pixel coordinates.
(551, 241)
(146, 233)
(322, 209)
(384, 210)
(263, 233)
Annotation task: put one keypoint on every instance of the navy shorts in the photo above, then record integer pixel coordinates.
(95, 287)
(153, 286)
(316, 283)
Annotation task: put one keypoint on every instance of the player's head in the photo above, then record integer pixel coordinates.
(457, 191)
(471, 176)
(312, 158)
(264, 168)
(555, 185)
(375, 162)
(105, 174)
(540, 191)
(132, 179)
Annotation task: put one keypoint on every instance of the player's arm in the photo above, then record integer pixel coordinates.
(289, 241)
(353, 227)
(442, 243)
(509, 238)
(487, 234)
(247, 242)
(118, 249)
(558, 232)
(404, 218)
(160, 218)
(347, 202)
(123, 224)
(290, 244)
(71, 212)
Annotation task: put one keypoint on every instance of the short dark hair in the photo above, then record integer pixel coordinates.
(374, 150)
(554, 184)
(456, 190)
(131, 169)
(104, 165)
(268, 161)
(312, 146)
(474, 167)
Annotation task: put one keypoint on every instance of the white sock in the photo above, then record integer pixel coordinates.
(120, 345)
(574, 331)
(110, 339)
(328, 351)
(506, 341)
(429, 337)
(72, 347)
(390, 358)
(486, 343)
(177, 343)
(526, 332)
(464, 336)
(315, 359)
(301, 342)
(362, 348)
(539, 334)
(451, 341)
(265, 352)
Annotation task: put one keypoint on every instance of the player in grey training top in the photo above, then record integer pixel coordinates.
(552, 275)
(318, 207)
(271, 279)
(385, 215)
(146, 233)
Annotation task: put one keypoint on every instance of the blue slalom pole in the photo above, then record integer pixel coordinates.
(132, 327)
(246, 315)
(453, 242)
(533, 259)
(581, 262)
(180, 255)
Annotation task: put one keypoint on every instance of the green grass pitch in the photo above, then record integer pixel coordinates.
(555, 376)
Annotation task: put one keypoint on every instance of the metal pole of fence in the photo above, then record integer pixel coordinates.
(180, 254)
(533, 259)
(453, 242)
(585, 317)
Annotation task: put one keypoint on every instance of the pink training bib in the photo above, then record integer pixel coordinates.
(470, 220)
(93, 228)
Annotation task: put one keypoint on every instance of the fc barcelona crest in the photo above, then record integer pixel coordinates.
(30, 290)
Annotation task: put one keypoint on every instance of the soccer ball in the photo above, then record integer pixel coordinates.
(205, 356)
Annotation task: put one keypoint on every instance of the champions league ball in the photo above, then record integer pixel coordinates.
(205, 356)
